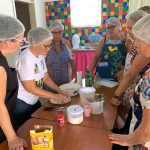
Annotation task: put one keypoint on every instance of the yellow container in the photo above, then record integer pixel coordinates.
(42, 138)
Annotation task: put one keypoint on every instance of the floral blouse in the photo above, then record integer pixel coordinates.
(140, 100)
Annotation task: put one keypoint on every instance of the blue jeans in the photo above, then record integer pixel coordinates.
(23, 110)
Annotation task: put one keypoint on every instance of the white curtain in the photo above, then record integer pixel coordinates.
(135, 4)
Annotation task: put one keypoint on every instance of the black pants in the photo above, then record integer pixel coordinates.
(23, 110)
(124, 130)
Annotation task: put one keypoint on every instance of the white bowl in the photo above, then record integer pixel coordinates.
(72, 89)
(75, 114)
(54, 101)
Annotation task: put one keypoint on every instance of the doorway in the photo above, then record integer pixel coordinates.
(22, 13)
(25, 12)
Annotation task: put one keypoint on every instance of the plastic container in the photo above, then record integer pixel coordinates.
(87, 110)
(87, 94)
(97, 107)
(75, 114)
(72, 89)
(76, 41)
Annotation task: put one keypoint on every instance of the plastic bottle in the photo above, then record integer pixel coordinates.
(88, 77)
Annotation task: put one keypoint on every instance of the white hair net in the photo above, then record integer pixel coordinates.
(38, 35)
(136, 15)
(10, 27)
(56, 24)
(114, 21)
(141, 29)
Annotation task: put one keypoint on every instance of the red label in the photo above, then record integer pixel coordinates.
(60, 119)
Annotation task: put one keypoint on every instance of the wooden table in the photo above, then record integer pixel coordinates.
(68, 137)
(105, 120)
(91, 134)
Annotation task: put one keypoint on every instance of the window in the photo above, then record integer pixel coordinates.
(85, 13)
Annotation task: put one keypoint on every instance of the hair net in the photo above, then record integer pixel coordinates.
(56, 24)
(10, 27)
(114, 21)
(136, 15)
(38, 35)
(141, 29)
(145, 8)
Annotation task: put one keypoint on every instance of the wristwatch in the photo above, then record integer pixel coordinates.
(115, 96)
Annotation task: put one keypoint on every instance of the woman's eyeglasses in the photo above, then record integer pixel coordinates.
(47, 46)
(57, 32)
(110, 27)
(21, 41)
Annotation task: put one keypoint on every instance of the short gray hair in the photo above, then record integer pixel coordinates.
(10, 27)
(56, 24)
(141, 29)
(136, 15)
(36, 36)
(114, 21)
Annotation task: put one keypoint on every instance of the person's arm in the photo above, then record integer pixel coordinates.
(97, 54)
(72, 65)
(71, 62)
(137, 65)
(50, 83)
(128, 43)
(13, 140)
(30, 86)
(140, 136)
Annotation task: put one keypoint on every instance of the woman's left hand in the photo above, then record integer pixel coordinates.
(120, 139)
(63, 93)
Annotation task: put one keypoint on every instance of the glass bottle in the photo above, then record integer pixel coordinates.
(97, 84)
(88, 77)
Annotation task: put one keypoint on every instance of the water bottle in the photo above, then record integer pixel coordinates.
(88, 77)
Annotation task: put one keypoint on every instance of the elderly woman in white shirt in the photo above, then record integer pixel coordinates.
(139, 136)
(32, 74)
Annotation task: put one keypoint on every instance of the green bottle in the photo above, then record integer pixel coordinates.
(88, 77)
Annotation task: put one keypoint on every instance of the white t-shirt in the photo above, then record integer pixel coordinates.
(29, 67)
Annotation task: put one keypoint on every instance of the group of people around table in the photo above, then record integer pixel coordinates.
(44, 65)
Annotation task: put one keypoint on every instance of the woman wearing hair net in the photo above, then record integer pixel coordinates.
(139, 135)
(32, 74)
(11, 38)
(111, 52)
(59, 56)
(135, 67)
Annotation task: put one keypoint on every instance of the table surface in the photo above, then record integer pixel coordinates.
(68, 137)
(91, 134)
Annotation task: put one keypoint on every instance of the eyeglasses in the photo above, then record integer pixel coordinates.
(110, 27)
(57, 32)
(21, 41)
(47, 46)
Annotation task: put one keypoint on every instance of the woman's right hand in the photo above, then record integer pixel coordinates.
(115, 101)
(61, 97)
(17, 144)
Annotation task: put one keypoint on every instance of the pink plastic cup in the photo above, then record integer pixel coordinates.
(87, 110)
